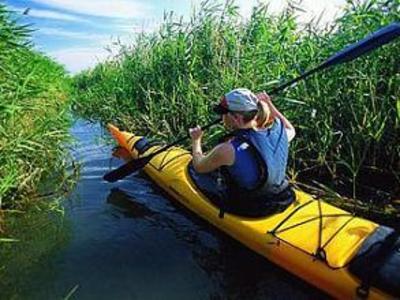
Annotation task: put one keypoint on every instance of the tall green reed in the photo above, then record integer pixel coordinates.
(347, 118)
(33, 114)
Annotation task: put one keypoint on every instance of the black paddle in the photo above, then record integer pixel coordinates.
(351, 52)
(137, 164)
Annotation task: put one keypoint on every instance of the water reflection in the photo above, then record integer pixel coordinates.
(128, 206)
(129, 240)
(236, 272)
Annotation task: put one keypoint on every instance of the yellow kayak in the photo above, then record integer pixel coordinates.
(320, 243)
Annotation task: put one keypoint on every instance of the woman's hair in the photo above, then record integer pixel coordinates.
(263, 114)
(248, 115)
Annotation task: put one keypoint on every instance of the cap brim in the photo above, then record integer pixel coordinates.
(220, 110)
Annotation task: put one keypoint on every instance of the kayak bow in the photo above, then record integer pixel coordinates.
(320, 243)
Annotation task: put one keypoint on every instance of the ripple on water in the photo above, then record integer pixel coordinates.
(130, 242)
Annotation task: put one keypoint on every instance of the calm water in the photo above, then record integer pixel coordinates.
(129, 241)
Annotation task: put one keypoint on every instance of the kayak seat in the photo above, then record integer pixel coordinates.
(213, 186)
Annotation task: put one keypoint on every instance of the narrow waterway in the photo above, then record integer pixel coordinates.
(130, 241)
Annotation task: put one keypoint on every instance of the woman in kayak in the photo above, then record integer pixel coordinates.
(253, 162)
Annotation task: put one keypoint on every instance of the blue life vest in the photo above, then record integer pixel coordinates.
(246, 169)
(260, 167)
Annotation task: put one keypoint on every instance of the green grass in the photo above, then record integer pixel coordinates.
(33, 114)
(34, 122)
(347, 118)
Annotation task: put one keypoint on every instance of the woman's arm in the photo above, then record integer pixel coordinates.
(221, 155)
(275, 113)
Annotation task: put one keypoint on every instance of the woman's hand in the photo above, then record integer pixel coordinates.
(196, 133)
(263, 96)
(275, 113)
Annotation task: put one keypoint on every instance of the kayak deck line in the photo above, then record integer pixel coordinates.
(319, 253)
(312, 239)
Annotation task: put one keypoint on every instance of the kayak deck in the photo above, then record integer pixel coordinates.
(312, 239)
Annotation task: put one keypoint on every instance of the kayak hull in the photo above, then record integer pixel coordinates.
(311, 239)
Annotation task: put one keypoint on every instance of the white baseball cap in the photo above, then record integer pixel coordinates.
(237, 100)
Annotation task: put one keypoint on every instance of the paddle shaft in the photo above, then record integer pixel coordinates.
(137, 164)
(351, 52)
(184, 138)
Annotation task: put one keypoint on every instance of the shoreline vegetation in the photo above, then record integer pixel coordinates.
(347, 118)
(34, 123)
(34, 117)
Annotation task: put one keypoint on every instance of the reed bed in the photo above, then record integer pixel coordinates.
(347, 118)
(33, 116)
(34, 126)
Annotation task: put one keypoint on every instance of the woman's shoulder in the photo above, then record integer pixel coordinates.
(225, 147)
(223, 153)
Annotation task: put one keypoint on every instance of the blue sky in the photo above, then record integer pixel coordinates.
(76, 32)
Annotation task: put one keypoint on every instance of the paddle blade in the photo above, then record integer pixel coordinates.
(127, 169)
(379, 38)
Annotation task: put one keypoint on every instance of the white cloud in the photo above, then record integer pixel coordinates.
(147, 25)
(124, 28)
(74, 35)
(312, 8)
(77, 59)
(102, 8)
(328, 9)
(49, 14)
